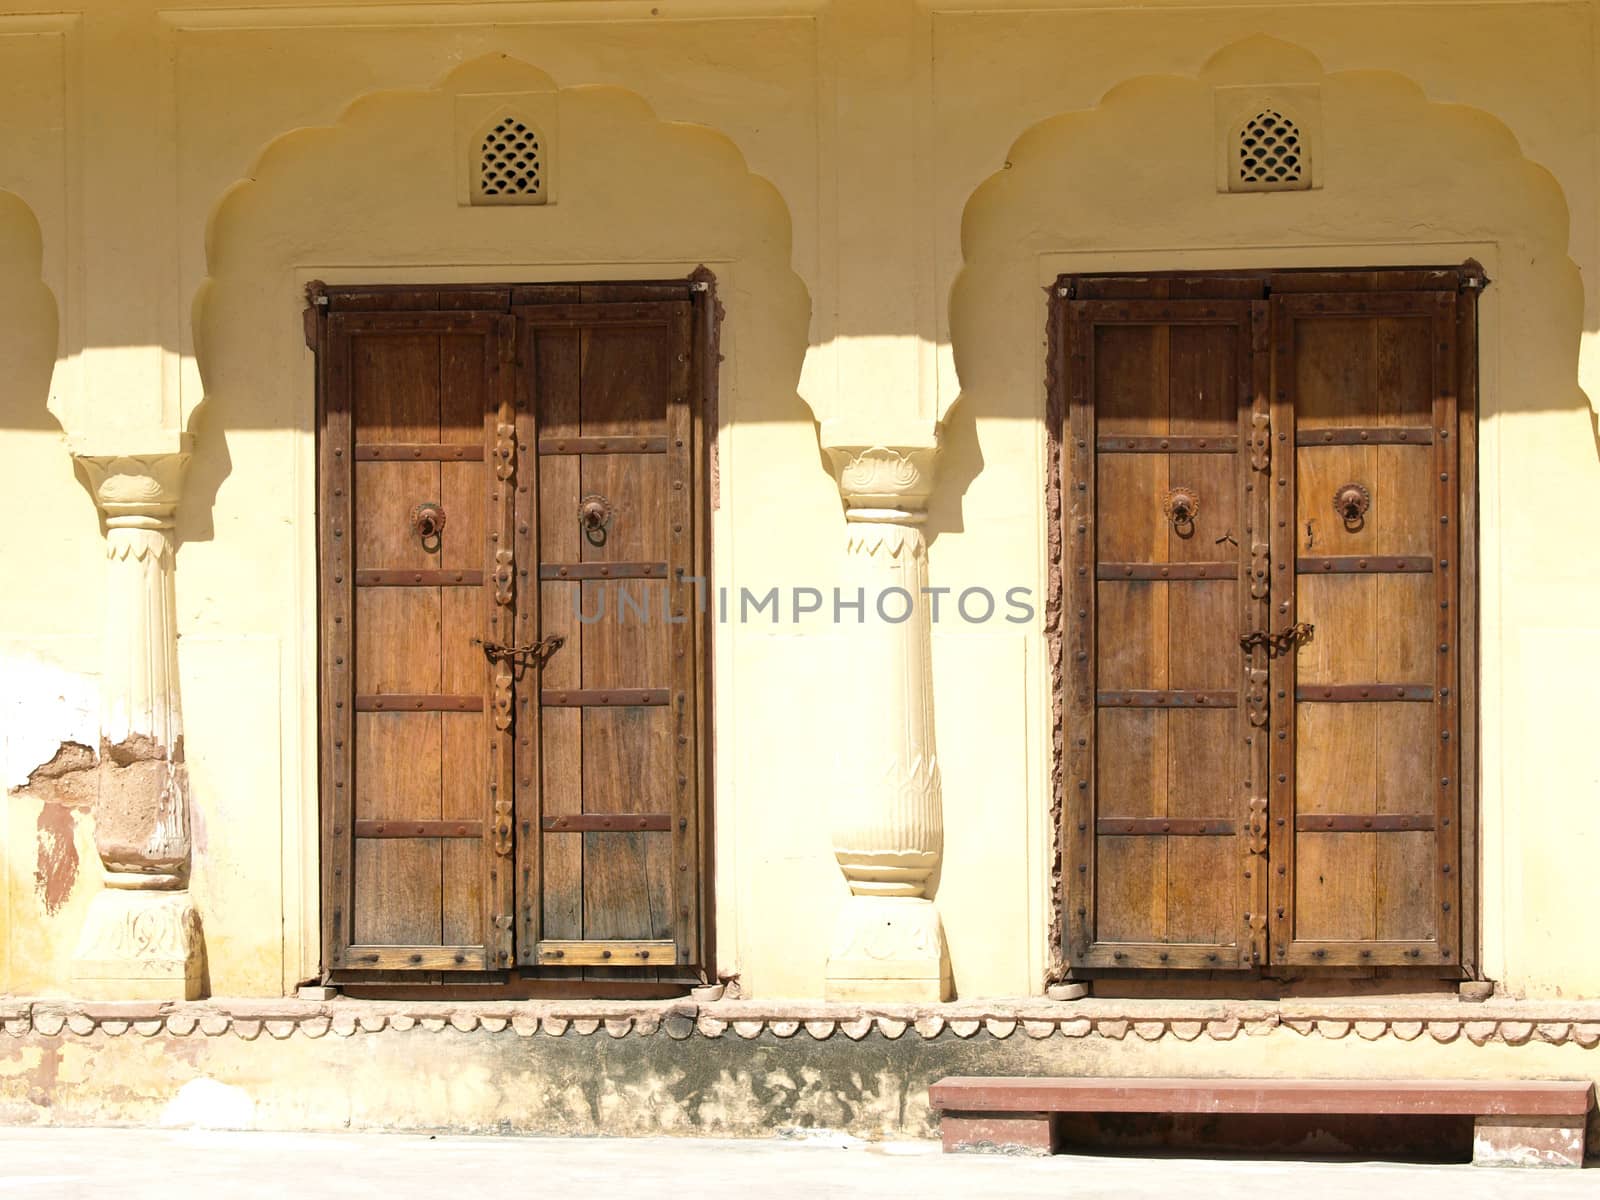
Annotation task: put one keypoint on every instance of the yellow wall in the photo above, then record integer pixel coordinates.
(883, 187)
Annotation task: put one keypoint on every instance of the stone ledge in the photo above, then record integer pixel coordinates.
(1510, 1022)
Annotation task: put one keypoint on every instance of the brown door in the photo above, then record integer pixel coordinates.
(1366, 865)
(415, 751)
(1262, 666)
(512, 692)
(611, 831)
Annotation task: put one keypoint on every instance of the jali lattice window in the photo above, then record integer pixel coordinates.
(510, 170)
(1271, 155)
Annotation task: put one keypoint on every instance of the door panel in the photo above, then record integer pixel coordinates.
(1160, 766)
(1264, 743)
(616, 812)
(1367, 385)
(411, 736)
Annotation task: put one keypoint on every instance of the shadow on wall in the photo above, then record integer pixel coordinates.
(377, 197)
(27, 322)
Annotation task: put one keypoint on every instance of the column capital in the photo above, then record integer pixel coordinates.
(136, 485)
(884, 482)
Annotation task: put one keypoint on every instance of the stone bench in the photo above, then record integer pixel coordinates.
(1517, 1122)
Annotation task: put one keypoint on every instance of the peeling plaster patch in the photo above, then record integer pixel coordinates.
(57, 867)
(43, 707)
(206, 1104)
(64, 786)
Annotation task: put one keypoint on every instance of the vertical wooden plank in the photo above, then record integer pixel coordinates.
(1130, 780)
(1404, 902)
(1447, 569)
(398, 882)
(557, 888)
(681, 561)
(704, 418)
(1208, 397)
(1132, 395)
(1254, 713)
(529, 624)
(1282, 597)
(1080, 640)
(1467, 612)
(336, 482)
(395, 391)
(502, 455)
(458, 621)
(1337, 385)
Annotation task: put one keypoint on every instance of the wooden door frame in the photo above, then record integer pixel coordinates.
(700, 288)
(1467, 279)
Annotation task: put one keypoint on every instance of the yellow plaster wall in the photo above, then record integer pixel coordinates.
(883, 187)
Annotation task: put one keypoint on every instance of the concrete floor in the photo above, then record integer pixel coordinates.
(133, 1164)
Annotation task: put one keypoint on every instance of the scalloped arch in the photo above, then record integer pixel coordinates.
(263, 221)
(1408, 179)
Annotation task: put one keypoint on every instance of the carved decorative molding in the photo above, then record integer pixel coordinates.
(1510, 1023)
(136, 485)
(884, 477)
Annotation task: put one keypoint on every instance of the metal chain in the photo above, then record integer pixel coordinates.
(1278, 643)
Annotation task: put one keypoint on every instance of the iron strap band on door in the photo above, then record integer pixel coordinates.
(1156, 698)
(407, 578)
(602, 445)
(1363, 822)
(1366, 435)
(1171, 826)
(555, 572)
(1176, 570)
(1170, 444)
(393, 829)
(608, 823)
(1358, 693)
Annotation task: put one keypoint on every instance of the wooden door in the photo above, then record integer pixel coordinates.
(1266, 631)
(609, 859)
(1366, 762)
(1162, 512)
(512, 524)
(415, 458)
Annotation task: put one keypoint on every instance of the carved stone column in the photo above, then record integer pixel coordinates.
(887, 823)
(142, 938)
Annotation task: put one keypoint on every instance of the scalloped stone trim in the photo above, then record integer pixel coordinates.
(1513, 1023)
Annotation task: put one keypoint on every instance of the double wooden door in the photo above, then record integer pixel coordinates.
(1266, 626)
(512, 694)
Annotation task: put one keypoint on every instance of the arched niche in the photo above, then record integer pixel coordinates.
(1133, 185)
(378, 197)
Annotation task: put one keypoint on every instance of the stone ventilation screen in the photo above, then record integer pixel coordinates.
(1272, 155)
(510, 170)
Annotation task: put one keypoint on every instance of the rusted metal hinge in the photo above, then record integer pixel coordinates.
(316, 299)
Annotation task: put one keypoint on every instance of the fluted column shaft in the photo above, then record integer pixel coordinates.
(142, 938)
(887, 814)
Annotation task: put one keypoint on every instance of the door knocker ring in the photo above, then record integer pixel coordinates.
(427, 522)
(1182, 505)
(1351, 502)
(594, 515)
